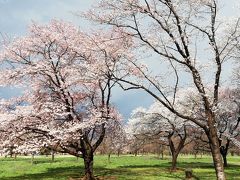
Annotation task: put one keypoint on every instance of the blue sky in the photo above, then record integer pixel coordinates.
(15, 15)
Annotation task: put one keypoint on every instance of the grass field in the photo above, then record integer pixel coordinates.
(123, 167)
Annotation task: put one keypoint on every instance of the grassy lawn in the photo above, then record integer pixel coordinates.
(123, 167)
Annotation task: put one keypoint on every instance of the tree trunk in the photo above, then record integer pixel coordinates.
(175, 150)
(217, 159)
(195, 155)
(214, 145)
(52, 155)
(32, 159)
(225, 161)
(223, 152)
(109, 156)
(174, 162)
(160, 152)
(88, 165)
(11, 152)
(135, 153)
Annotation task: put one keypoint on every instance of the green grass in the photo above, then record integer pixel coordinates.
(123, 167)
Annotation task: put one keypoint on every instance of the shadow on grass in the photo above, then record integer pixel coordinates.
(155, 171)
(232, 170)
(37, 160)
(70, 172)
(181, 165)
(167, 165)
(57, 173)
(76, 172)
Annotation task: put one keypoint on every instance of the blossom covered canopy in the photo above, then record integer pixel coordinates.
(66, 77)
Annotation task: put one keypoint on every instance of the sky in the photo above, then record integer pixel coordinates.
(16, 15)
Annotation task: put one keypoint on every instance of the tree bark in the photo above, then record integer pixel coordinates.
(176, 150)
(174, 153)
(225, 161)
(52, 155)
(195, 155)
(135, 153)
(218, 164)
(88, 165)
(224, 152)
(216, 155)
(109, 156)
(32, 159)
(174, 162)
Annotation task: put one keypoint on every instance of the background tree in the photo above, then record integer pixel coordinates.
(157, 123)
(227, 113)
(115, 139)
(228, 117)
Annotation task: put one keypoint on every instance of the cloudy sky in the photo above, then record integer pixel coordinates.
(16, 15)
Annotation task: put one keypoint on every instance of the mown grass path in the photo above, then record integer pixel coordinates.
(123, 167)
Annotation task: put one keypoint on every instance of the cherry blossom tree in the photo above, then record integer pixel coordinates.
(136, 137)
(115, 139)
(228, 117)
(176, 34)
(66, 76)
(159, 123)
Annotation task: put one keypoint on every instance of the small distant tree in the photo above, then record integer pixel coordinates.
(115, 139)
(157, 123)
(228, 118)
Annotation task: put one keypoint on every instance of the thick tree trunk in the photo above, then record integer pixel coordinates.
(214, 145)
(88, 150)
(88, 165)
(217, 159)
